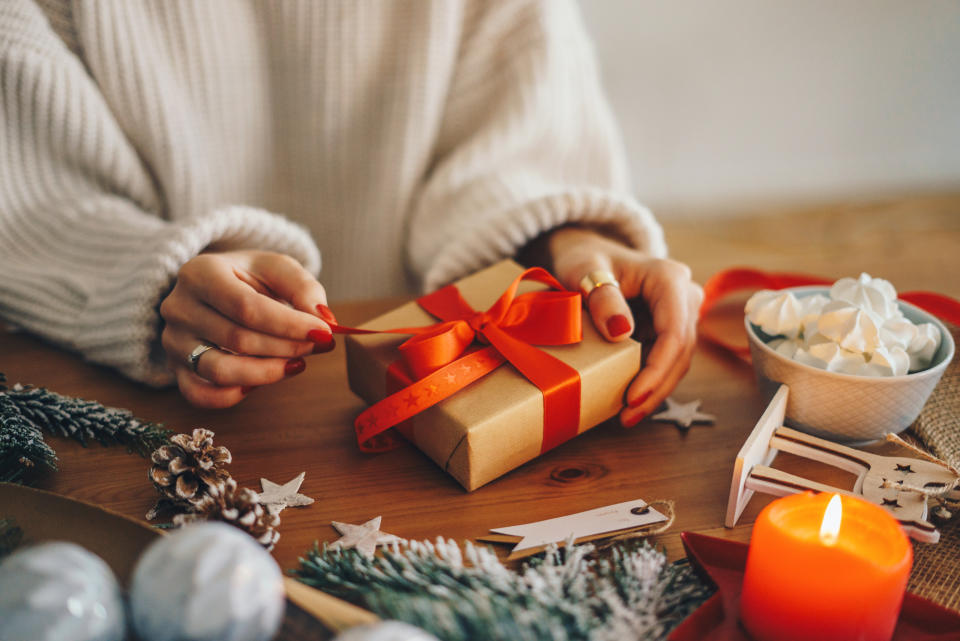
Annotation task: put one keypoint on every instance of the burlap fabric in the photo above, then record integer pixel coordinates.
(938, 425)
(936, 567)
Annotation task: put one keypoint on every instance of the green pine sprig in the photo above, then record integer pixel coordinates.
(27, 412)
(630, 593)
(22, 448)
(83, 420)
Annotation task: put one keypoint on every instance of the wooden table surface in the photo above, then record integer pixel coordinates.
(304, 424)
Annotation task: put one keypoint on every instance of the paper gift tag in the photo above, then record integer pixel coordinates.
(582, 526)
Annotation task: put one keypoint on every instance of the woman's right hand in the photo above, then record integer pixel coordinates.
(265, 312)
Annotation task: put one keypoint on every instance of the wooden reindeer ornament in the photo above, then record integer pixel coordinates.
(901, 485)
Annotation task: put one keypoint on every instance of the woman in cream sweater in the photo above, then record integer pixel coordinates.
(170, 169)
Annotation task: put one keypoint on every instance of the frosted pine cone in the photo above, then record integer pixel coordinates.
(188, 471)
(240, 508)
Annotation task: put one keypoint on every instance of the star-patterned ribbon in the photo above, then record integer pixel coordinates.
(441, 359)
(728, 281)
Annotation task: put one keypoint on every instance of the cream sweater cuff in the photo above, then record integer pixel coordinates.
(108, 309)
(493, 238)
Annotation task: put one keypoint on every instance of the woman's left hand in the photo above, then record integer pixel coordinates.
(673, 298)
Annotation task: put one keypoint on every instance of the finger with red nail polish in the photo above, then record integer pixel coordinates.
(323, 348)
(610, 313)
(326, 314)
(323, 340)
(639, 399)
(294, 366)
(631, 419)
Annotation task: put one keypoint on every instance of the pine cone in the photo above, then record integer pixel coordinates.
(187, 472)
(240, 508)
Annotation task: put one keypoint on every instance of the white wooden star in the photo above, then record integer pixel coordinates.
(683, 414)
(275, 497)
(364, 538)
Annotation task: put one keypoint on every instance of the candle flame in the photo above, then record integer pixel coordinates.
(830, 526)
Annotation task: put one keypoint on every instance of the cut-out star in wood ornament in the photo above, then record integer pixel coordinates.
(718, 619)
(276, 497)
(683, 415)
(363, 538)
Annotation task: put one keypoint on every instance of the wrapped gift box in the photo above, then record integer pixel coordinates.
(496, 423)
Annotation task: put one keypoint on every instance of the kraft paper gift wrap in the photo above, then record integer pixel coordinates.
(496, 423)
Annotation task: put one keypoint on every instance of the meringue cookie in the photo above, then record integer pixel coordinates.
(885, 286)
(776, 313)
(873, 295)
(849, 326)
(832, 357)
(898, 332)
(785, 346)
(858, 329)
(810, 309)
(892, 361)
(922, 348)
(814, 338)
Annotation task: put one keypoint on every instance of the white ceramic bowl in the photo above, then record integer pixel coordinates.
(844, 407)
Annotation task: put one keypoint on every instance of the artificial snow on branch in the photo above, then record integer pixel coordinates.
(26, 412)
(461, 595)
(22, 447)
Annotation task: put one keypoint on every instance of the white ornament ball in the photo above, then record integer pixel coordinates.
(386, 631)
(59, 592)
(207, 582)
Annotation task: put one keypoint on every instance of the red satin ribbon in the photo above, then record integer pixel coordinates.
(737, 279)
(440, 360)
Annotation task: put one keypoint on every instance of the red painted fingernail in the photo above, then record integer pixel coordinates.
(320, 336)
(633, 421)
(618, 324)
(323, 339)
(638, 401)
(322, 348)
(294, 366)
(326, 314)
(246, 389)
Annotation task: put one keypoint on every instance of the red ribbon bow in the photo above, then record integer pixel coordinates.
(443, 359)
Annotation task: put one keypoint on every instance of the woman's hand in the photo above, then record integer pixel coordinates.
(263, 310)
(665, 285)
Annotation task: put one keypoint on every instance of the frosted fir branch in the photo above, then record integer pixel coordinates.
(630, 593)
(83, 420)
(22, 448)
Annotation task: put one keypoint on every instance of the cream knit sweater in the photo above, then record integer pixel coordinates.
(413, 141)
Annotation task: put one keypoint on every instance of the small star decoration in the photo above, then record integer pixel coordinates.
(363, 538)
(276, 497)
(683, 414)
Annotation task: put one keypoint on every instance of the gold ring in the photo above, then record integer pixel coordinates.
(595, 279)
(193, 358)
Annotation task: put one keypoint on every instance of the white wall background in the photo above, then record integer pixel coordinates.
(731, 102)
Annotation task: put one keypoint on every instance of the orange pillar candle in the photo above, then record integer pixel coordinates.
(822, 574)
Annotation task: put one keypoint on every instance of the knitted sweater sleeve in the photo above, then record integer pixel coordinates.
(86, 249)
(527, 143)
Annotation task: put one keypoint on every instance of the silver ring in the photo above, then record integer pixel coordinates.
(193, 358)
(596, 279)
